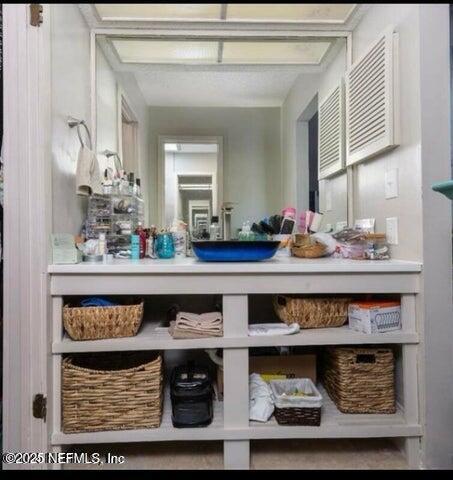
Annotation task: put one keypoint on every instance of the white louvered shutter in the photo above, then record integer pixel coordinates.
(331, 133)
(372, 101)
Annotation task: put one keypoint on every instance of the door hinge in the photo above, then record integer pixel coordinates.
(40, 406)
(36, 14)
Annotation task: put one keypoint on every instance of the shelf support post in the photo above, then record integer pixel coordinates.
(236, 381)
(410, 380)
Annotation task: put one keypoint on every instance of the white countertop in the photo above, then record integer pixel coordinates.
(275, 265)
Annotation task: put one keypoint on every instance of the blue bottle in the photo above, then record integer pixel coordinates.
(135, 247)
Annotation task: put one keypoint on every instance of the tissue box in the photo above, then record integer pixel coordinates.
(374, 317)
(64, 250)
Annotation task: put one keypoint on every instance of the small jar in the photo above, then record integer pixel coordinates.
(377, 247)
(353, 250)
(165, 246)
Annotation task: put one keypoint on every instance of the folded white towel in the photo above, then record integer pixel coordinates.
(88, 178)
(273, 329)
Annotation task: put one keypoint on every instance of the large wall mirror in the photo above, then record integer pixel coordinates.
(210, 120)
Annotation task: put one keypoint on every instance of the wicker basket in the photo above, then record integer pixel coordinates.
(106, 391)
(290, 410)
(312, 312)
(298, 416)
(360, 380)
(95, 323)
(311, 250)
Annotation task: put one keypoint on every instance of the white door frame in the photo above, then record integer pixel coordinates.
(27, 224)
(124, 105)
(161, 141)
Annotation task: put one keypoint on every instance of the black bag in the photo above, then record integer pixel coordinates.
(191, 394)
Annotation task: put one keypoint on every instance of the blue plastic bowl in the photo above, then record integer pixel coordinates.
(234, 250)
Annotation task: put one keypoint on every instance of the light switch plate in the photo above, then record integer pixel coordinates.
(392, 230)
(391, 183)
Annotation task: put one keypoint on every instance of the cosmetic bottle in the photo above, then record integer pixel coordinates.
(102, 244)
(214, 229)
(135, 247)
(131, 181)
(142, 239)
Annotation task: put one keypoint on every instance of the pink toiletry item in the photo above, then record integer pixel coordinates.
(308, 219)
(302, 223)
(289, 212)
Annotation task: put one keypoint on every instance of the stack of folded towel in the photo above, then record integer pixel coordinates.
(191, 325)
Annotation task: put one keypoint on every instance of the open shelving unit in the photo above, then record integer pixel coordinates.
(231, 416)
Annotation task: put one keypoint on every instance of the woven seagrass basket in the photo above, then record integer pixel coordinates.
(312, 312)
(298, 416)
(360, 380)
(111, 391)
(95, 323)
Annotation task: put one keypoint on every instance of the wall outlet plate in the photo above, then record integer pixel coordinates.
(392, 230)
(391, 183)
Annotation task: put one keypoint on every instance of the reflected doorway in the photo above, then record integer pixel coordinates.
(191, 181)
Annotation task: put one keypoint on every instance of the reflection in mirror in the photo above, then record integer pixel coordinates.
(191, 184)
(200, 127)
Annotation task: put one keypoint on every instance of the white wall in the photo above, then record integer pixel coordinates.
(108, 83)
(369, 177)
(70, 58)
(106, 110)
(299, 97)
(251, 155)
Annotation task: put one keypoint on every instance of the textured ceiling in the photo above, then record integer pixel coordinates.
(211, 86)
(216, 88)
(217, 85)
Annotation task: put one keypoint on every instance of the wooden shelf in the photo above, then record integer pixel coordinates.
(151, 337)
(334, 424)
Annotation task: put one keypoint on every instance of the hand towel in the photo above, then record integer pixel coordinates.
(206, 323)
(188, 334)
(88, 178)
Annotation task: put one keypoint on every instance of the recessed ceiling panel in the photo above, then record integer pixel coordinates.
(158, 11)
(336, 13)
(290, 12)
(165, 51)
(265, 52)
